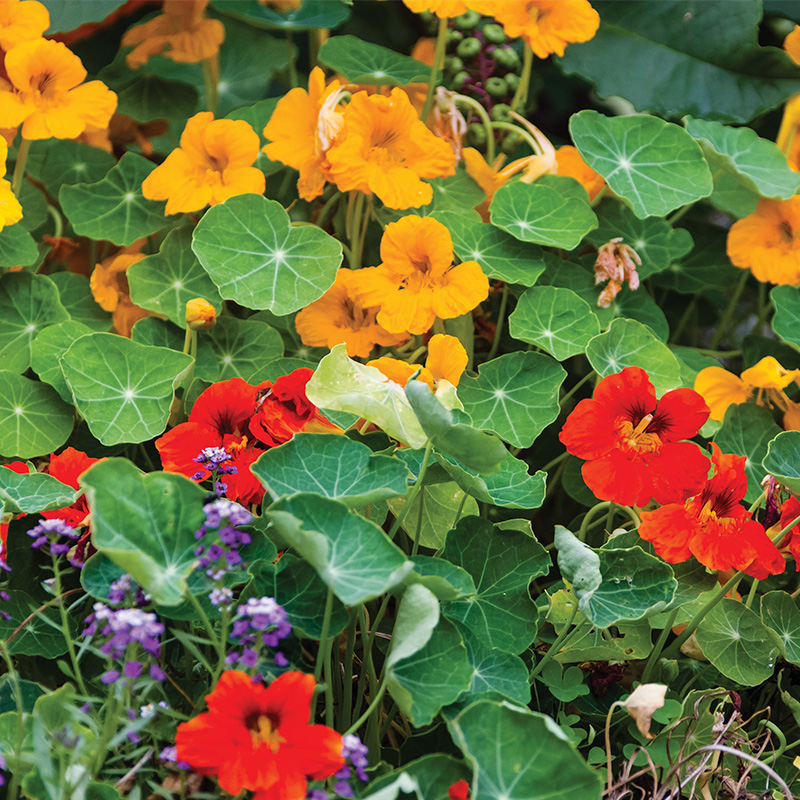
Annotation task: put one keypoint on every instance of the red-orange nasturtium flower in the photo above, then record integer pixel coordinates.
(21, 21)
(338, 317)
(548, 26)
(214, 162)
(459, 791)
(302, 129)
(417, 280)
(258, 738)
(384, 148)
(182, 33)
(790, 510)
(447, 359)
(632, 443)
(713, 526)
(48, 96)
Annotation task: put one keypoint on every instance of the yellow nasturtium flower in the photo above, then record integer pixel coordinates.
(447, 359)
(10, 209)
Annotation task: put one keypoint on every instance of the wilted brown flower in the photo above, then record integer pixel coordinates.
(616, 263)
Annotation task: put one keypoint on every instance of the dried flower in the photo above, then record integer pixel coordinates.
(616, 263)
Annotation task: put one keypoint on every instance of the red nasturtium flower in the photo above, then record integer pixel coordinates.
(258, 738)
(632, 443)
(713, 526)
(459, 791)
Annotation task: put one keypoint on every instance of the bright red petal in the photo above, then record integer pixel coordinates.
(725, 543)
(619, 477)
(589, 430)
(319, 752)
(680, 415)
(69, 465)
(225, 406)
(728, 486)
(20, 467)
(627, 394)
(677, 471)
(669, 529)
(768, 560)
(289, 699)
(183, 443)
(243, 486)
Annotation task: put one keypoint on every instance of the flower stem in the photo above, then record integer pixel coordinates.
(323, 639)
(577, 386)
(729, 311)
(76, 668)
(501, 316)
(438, 60)
(355, 230)
(217, 643)
(507, 126)
(662, 639)
(521, 95)
(596, 509)
(292, 53)
(553, 651)
(370, 708)
(487, 123)
(19, 167)
(211, 82)
(346, 710)
(415, 489)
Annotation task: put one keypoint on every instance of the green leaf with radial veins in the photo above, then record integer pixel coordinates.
(756, 163)
(518, 754)
(500, 256)
(737, 643)
(17, 247)
(746, 430)
(41, 635)
(256, 258)
(672, 66)
(628, 343)
(114, 208)
(145, 523)
(783, 459)
(786, 322)
(515, 395)
(352, 555)
(165, 282)
(28, 304)
(123, 389)
(493, 671)
(28, 493)
(309, 14)
(33, 419)
(780, 612)
(555, 319)
(502, 563)
(533, 212)
(68, 162)
(332, 466)
(654, 165)
(46, 352)
(364, 62)
(76, 297)
(237, 348)
(655, 241)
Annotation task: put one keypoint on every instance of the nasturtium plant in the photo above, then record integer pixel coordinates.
(399, 399)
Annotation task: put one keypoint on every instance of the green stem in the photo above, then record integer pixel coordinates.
(575, 388)
(418, 534)
(521, 95)
(211, 83)
(501, 316)
(553, 462)
(438, 60)
(323, 639)
(782, 745)
(364, 226)
(355, 231)
(672, 219)
(370, 708)
(19, 167)
(751, 594)
(415, 489)
(729, 311)
(217, 643)
(109, 726)
(487, 123)
(328, 683)
(596, 509)
(558, 642)
(292, 56)
(73, 657)
(507, 126)
(662, 640)
(460, 509)
(327, 208)
(685, 317)
(346, 710)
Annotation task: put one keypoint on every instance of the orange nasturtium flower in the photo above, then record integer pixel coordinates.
(767, 242)
(10, 209)
(788, 141)
(21, 21)
(571, 165)
(548, 26)
(447, 359)
(721, 389)
(385, 148)
(214, 162)
(109, 286)
(258, 738)
(302, 128)
(48, 96)
(338, 317)
(182, 33)
(416, 281)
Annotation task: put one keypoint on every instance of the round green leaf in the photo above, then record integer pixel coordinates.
(151, 97)
(28, 304)
(533, 212)
(333, 466)
(17, 247)
(114, 207)
(500, 256)
(752, 161)
(33, 420)
(653, 164)
(47, 349)
(237, 348)
(628, 343)
(166, 281)
(737, 643)
(255, 257)
(780, 613)
(493, 671)
(29, 493)
(517, 754)
(783, 459)
(502, 563)
(557, 320)
(123, 389)
(41, 635)
(145, 523)
(746, 431)
(360, 61)
(786, 322)
(352, 555)
(68, 162)
(76, 297)
(516, 396)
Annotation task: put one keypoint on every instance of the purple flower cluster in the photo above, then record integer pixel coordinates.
(52, 530)
(258, 622)
(124, 590)
(222, 516)
(125, 627)
(354, 751)
(170, 756)
(217, 460)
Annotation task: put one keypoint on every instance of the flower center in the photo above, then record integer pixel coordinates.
(638, 438)
(43, 81)
(236, 447)
(264, 730)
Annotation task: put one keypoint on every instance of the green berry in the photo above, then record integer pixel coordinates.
(468, 20)
(512, 81)
(496, 87)
(459, 79)
(453, 38)
(507, 58)
(469, 48)
(476, 135)
(511, 143)
(453, 64)
(501, 113)
(494, 33)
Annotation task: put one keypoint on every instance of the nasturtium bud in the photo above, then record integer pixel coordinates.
(200, 314)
